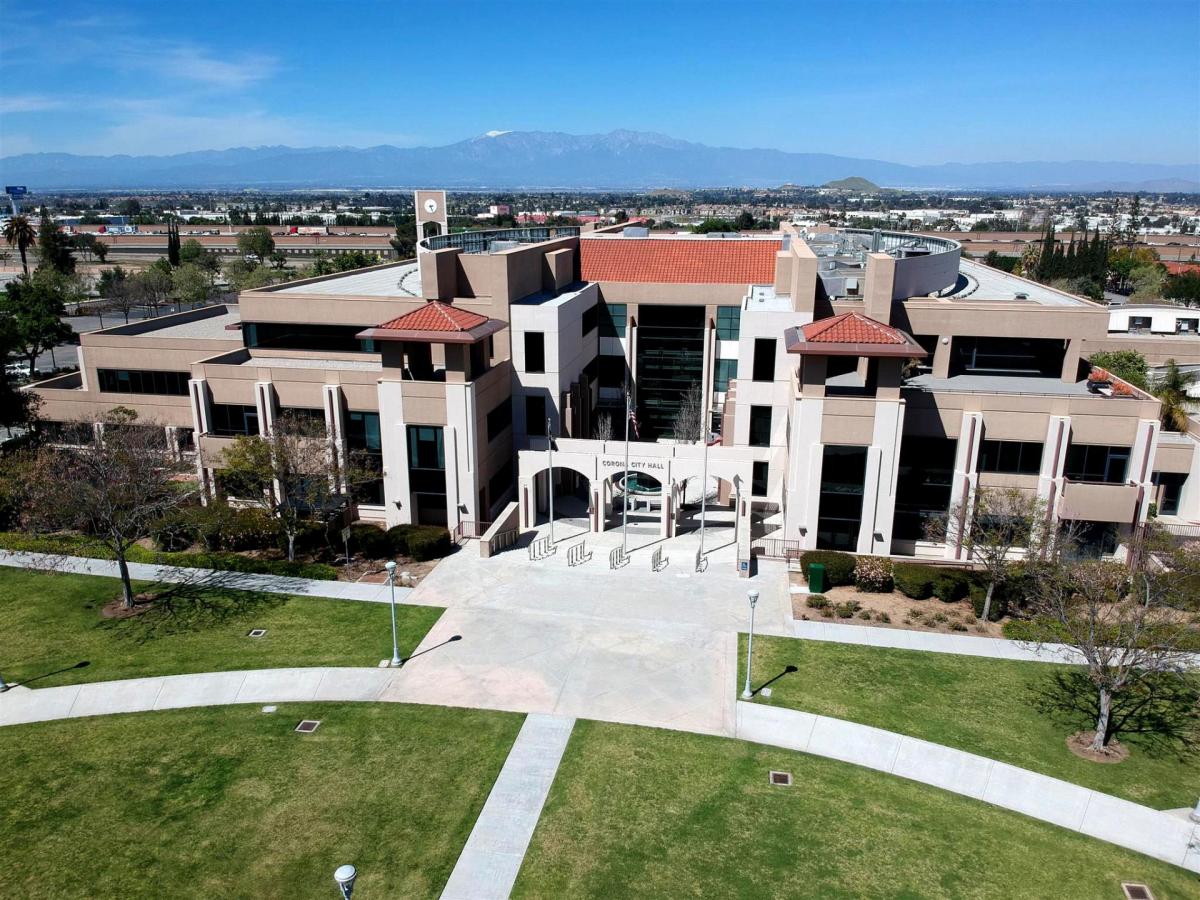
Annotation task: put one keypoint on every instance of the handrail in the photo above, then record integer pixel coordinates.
(502, 541)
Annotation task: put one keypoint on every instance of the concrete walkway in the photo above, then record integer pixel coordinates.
(241, 581)
(1149, 831)
(492, 856)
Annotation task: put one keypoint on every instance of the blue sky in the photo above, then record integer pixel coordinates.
(913, 82)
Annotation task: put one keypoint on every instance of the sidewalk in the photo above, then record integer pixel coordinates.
(241, 581)
(1157, 834)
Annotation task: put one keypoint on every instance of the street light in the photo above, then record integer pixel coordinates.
(550, 475)
(344, 876)
(747, 694)
(390, 565)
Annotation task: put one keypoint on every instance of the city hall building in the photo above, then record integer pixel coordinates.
(854, 384)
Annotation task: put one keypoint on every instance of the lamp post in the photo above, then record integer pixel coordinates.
(747, 694)
(390, 565)
(625, 483)
(344, 876)
(703, 489)
(550, 475)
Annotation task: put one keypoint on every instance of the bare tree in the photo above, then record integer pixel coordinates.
(604, 428)
(290, 473)
(688, 426)
(112, 490)
(1132, 628)
(994, 524)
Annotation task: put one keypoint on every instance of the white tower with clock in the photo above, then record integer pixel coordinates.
(431, 210)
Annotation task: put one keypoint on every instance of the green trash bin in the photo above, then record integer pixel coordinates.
(816, 578)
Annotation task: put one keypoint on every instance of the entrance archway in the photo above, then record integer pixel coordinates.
(573, 505)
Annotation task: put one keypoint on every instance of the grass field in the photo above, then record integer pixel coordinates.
(49, 622)
(984, 706)
(230, 802)
(640, 812)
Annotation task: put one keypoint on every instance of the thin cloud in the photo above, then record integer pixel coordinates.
(28, 103)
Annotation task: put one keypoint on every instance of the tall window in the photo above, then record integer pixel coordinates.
(366, 444)
(723, 372)
(760, 426)
(427, 473)
(1095, 462)
(758, 478)
(1010, 457)
(612, 319)
(729, 323)
(535, 415)
(311, 416)
(590, 317)
(535, 352)
(499, 418)
(142, 381)
(764, 359)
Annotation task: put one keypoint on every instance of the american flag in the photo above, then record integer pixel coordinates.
(633, 421)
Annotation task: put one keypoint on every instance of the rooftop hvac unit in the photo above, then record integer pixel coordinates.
(635, 231)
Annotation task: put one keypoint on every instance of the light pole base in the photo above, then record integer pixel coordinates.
(397, 662)
(747, 695)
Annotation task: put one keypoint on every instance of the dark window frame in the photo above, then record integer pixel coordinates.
(535, 352)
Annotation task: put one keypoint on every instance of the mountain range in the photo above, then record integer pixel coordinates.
(544, 160)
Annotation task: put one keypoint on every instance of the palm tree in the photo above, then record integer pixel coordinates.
(20, 234)
(1172, 392)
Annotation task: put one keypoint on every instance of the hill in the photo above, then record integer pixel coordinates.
(854, 183)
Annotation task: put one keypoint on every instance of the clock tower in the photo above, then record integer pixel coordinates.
(431, 209)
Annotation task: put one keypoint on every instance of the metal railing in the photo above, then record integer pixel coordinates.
(657, 563)
(578, 554)
(505, 540)
(481, 241)
(618, 558)
(541, 548)
(775, 548)
(470, 530)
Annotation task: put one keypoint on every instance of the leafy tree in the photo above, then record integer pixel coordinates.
(405, 240)
(1129, 624)
(1183, 288)
(19, 232)
(256, 242)
(113, 491)
(18, 408)
(1171, 388)
(744, 221)
(710, 225)
(245, 276)
(34, 306)
(278, 260)
(1148, 283)
(992, 526)
(1123, 260)
(54, 247)
(173, 244)
(154, 284)
(1127, 364)
(130, 207)
(118, 291)
(289, 472)
(192, 284)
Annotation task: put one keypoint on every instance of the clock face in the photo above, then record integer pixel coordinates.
(431, 205)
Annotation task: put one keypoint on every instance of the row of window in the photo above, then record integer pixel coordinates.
(499, 419)
(613, 316)
(143, 381)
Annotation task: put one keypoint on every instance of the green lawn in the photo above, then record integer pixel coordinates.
(50, 621)
(981, 705)
(230, 802)
(640, 812)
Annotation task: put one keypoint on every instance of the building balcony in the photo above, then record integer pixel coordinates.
(1098, 502)
(211, 447)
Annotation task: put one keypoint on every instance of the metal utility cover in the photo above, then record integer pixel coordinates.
(1137, 891)
(308, 726)
(783, 779)
(256, 632)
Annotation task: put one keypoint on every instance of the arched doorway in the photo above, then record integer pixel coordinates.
(572, 501)
(636, 501)
(719, 509)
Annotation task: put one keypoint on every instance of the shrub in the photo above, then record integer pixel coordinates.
(873, 574)
(429, 543)
(951, 585)
(939, 618)
(817, 601)
(958, 626)
(372, 542)
(865, 615)
(999, 603)
(847, 610)
(914, 580)
(884, 618)
(174, 532)
(839, 567)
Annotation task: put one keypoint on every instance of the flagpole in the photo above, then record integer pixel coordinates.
(625, 483)
(550, 449)
(703, 488)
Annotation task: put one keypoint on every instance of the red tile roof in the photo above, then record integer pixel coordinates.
(1178, 268)
(852, 328)
(436, 316)
(678, 261)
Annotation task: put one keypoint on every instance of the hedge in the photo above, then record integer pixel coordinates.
(914, 580)
(839, 567)
(952, 585)
(419, 542)
(76, 545)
